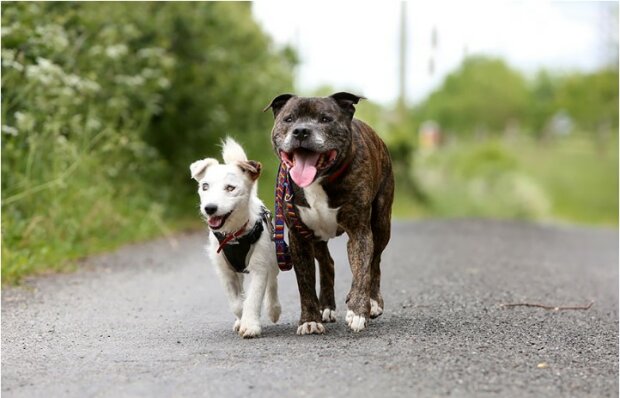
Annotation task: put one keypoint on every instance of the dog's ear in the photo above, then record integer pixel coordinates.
(252, 168)
(278, 102)
(346, 101)
(199, 167)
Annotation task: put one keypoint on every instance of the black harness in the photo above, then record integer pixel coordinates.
(237, 250)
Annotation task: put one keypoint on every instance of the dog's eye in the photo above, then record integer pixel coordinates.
(205, 186)
(326, 119)
(288, 119)
(229, 188)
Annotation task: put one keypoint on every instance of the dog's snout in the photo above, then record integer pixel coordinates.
(301, 133)
(210, 209)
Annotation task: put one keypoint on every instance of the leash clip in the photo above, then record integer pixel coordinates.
(268, 218)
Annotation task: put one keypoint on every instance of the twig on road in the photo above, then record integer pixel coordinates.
(547, 307)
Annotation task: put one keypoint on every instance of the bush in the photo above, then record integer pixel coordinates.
(483, 180)
(104, 107)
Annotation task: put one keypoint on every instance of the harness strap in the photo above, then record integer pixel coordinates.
(238, 246)
(229, 237)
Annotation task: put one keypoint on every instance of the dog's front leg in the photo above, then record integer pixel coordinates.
(360, 248)
(233, 285)
(250, 320)
(302, 254)
(272, 302)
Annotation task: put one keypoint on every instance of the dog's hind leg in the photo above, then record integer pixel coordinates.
(381, 230)
(272, 303)
(326, 270)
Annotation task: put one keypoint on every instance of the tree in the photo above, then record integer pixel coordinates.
(483, 94)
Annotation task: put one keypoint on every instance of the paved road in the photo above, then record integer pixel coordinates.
(151, 320)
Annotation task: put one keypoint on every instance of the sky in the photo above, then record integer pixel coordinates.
(353, 45)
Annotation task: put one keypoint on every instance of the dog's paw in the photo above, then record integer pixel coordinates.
(310, 328)
(274, 312)
(357, 323)
(328, 315)
(248, 330)
(236, 325)
(375, 310)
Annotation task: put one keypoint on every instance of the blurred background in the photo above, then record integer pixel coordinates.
(505, 110)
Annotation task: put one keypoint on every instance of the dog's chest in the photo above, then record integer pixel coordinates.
(319, 217)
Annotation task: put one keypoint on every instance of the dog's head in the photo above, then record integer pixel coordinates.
(310, 135)
(226, 189)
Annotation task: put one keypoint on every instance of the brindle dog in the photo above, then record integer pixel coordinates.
(342, 182)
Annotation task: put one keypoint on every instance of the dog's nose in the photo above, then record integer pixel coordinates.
(210, 209)
(301, 133)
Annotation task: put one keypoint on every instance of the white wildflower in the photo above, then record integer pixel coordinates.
(6, 30)
(93, 123)
(163, 82)
(24, 121)
(10, 63)
(132, 81)
(90, 85)
(73, 80)
(149, 73)
(6, 129)
(54, 36)
(45, 63)
(150, 52)
(116, 51)
(8, 55)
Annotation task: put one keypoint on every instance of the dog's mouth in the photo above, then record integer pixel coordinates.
(217, 222)
(304, 164)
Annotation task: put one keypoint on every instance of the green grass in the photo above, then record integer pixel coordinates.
(570, 179)
(580, 178)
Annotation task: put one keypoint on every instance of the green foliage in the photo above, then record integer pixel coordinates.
(104, 107)
(591, 99)
(486, 96)
(482, 96)
(543, 101)
(564, 178)
(579, 176)
(568, 180)
(482, 180)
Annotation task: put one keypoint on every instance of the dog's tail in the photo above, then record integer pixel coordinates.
(232, 152)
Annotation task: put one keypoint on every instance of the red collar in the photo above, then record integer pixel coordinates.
(333, 177)
(230, 237)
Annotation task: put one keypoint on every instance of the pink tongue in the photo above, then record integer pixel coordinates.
(304, 169)
(215, 221)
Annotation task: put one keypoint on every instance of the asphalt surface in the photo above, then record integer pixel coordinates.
(152, 320)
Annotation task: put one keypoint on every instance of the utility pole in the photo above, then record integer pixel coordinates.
(432, 60)
(402, 64)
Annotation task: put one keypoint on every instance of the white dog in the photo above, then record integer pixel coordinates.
(240, 239)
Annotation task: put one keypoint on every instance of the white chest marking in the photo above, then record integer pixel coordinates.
(319, 217)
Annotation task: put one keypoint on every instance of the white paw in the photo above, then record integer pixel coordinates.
(274, 312)
(356, 322)
(328, 315)
(375, 310)
(311, 328)
(236, 325)
(247, 330)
